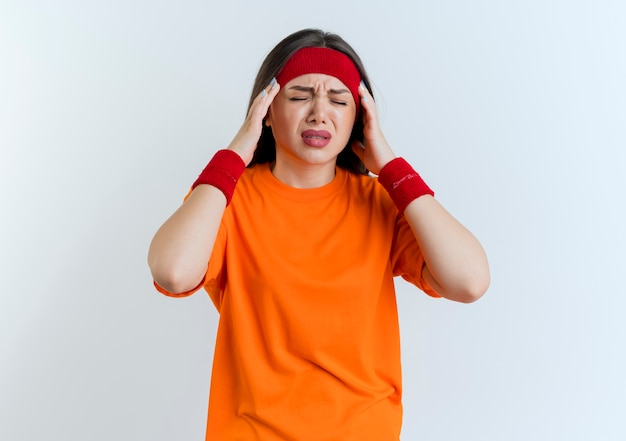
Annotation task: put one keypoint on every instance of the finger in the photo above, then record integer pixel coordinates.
(271, 91)
(367, 102)
(262, 102)
(366, 96)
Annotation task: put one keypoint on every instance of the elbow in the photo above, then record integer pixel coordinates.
(470, 295)
(464, 286)
(175, 286)
(466, 289)
(173, 280)
(472, 288)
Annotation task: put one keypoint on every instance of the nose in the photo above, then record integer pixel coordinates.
(318, 111)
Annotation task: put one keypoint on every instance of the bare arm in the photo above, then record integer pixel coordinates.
(181, 248)
(456, 264)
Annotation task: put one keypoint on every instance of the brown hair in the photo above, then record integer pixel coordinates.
(271, 66)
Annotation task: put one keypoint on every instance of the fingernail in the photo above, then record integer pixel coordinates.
(365, 99)
(273, 83)
(263, 93)
(363, 85)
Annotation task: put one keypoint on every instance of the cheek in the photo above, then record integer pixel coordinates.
(346, 116)
(279, 112)
(346, 121)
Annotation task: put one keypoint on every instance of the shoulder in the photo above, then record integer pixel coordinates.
(367, 189)
(357, 180)
(252, 177)
(251, 172)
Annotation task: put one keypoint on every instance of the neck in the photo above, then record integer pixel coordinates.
(302, 175)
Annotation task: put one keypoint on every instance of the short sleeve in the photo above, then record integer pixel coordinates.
(406, 257)
(215, 277)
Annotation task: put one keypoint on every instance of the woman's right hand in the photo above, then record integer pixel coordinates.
(245, 141)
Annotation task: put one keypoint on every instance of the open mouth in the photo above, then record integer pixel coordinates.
(316, 138)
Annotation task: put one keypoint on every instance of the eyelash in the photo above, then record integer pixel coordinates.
(340, 103)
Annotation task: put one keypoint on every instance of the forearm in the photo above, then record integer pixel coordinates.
(181, 248)
(456, 264)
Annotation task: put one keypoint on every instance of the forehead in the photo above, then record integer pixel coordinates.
(316, 80)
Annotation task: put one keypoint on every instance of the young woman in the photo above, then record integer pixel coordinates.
(299, 249)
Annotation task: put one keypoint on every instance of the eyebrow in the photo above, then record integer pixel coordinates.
(311, 90)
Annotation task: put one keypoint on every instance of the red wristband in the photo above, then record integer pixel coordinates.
(403, 184)
(222, 172)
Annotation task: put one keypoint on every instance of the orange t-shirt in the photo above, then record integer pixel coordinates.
(308, 345)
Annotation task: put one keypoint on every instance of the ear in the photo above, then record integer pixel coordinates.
(268, 119)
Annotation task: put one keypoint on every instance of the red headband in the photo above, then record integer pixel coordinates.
(324, 61)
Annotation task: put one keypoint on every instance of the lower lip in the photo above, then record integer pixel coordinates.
(315, 141)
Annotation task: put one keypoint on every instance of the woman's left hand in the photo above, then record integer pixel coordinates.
(375, 151)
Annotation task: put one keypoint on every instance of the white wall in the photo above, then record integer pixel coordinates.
(513, 112)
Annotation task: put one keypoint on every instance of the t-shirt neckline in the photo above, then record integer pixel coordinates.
(302, 194)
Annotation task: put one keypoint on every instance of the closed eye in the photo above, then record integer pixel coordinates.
(341, 103)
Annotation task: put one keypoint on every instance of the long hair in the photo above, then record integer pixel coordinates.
(271, 66)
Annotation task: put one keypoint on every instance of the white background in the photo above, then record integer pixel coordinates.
(513, 111)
